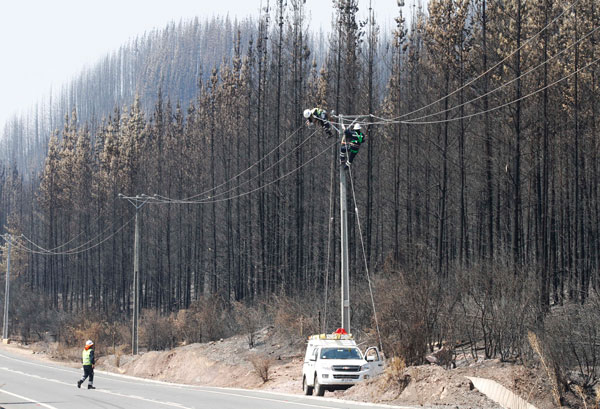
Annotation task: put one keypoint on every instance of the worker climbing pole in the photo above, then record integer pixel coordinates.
(320, 116)
(351, 141)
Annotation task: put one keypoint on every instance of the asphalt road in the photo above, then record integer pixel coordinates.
(26, 383)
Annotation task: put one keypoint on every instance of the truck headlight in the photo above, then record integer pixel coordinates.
(365, 367)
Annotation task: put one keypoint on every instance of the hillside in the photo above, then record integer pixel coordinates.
(227, 363)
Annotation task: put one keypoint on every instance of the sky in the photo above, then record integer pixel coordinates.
(45, 43)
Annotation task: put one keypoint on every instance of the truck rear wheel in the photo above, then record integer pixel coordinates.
(319, 390)
(308, 390)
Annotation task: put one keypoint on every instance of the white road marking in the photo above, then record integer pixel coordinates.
(177, 405)
(27, 399)
(24, 361)
(223, 391)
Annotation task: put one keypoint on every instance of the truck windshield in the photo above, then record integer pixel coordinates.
(340, 353)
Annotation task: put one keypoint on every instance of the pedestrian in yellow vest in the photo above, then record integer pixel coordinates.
(87, 357)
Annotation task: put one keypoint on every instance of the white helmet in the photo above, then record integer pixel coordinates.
(89, 342)
(307, 113)
(357, 127)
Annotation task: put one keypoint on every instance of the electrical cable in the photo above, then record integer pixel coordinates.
(81, 233)
(237, 196)
(502, 105)
(53, 250)
(241, 173)
(505, 84)
(43, 251)
(393, 121)
(492, 68)
(212, 198)
(414, 120)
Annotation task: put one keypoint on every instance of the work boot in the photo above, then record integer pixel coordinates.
(79, 384)
(91, 387)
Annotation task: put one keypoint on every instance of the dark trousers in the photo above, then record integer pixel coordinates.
(88, 371)
(344, 150)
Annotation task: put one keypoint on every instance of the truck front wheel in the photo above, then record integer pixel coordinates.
(308, 390)
(319, 390)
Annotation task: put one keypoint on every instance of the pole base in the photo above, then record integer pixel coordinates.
(5, 341)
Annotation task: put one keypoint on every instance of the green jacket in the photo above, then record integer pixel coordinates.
(354, 139)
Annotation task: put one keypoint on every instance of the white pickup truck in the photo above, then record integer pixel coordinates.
(334, 361)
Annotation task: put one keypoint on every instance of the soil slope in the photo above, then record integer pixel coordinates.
(228, 363)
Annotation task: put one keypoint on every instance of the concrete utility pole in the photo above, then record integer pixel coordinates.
(135, 201)
(6, 295)
(136, 283)
(345, 280)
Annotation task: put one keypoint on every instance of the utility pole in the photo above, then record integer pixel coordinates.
(6, 294)
(345, 279)
(135, 201)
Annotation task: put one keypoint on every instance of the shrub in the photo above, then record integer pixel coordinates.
(248, 319)
(262, 365)
(205, 320)
(157, 332)
(569, 340)
(405, 314)
(295, 319)
(394, 377)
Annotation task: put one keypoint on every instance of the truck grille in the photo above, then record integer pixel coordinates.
(346, 368)
(345, 376)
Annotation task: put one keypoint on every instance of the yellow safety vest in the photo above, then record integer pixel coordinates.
(85, 355)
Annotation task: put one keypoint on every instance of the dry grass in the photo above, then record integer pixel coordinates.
(579, 391)
(394, 377)
(535, 344)
(66, 353)
(119, 352)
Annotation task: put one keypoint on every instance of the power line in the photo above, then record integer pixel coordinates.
(490, 69)
(414, 120)
(392, 121)
(502, 105)
(237, 196)
(395, 121)
(189, 200)
(35, 248)
(239, 174)
(211, 199)
(76, 250)
(78, 235)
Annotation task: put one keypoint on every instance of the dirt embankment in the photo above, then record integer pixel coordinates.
(228, 363)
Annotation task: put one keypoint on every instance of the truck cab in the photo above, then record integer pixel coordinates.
(334, 361)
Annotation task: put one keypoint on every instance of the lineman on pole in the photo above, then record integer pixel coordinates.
(319, 116)
(353, 137)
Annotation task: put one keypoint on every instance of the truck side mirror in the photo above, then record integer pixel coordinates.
(370, 358)
(313, 358)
